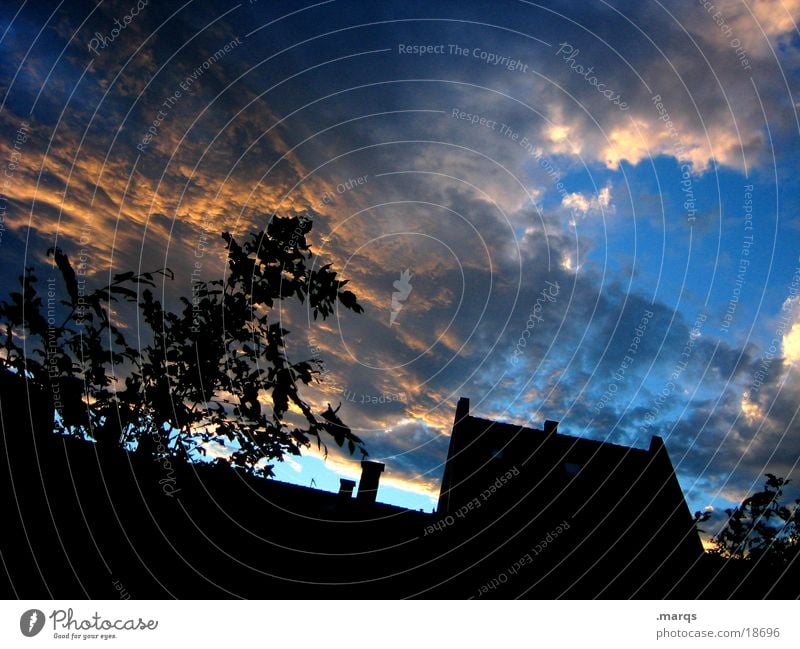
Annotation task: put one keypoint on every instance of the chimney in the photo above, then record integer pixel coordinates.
(370, 477)
(550, 427)
(462, 411)
(346, 488)
(457, 442)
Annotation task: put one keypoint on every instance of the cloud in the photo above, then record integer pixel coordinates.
(586, 204)
(483, 215)
(756, 26)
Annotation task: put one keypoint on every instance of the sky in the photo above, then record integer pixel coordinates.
(577, 211)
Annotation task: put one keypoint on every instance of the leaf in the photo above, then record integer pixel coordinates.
(348, 299)
(124, 291)
(62, 262)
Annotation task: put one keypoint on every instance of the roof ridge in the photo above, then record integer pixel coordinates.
(560, 434)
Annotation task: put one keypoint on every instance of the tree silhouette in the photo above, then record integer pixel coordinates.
(71, 351)
(214, 373)
(762, 528)
(217, 372)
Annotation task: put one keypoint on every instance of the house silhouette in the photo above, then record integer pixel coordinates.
(623, 526)
(522, 512)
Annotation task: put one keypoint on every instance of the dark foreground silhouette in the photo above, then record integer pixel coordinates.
(523, 513)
